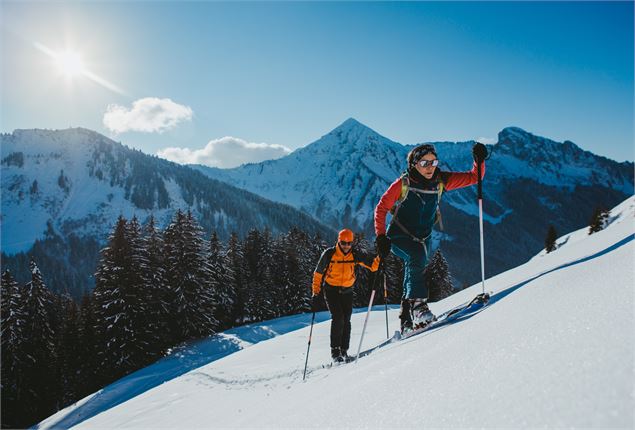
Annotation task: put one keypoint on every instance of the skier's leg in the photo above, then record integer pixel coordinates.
(400, 247)
(416, 265)
(421, 314)
(346, 301)
(333, 302)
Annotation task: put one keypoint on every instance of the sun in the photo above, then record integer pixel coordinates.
(69, 63)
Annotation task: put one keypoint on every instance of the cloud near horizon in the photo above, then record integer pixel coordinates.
(225, 152)
(148, 115)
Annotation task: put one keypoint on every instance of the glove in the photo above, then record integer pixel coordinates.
(479, 151)
(382, 244)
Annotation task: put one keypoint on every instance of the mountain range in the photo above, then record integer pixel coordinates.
(62, 191)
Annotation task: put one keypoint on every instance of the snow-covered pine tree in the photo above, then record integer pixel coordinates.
(599, 220)
(234, 263)
(12, 326)
(550, 240)
(308, 251)
(290, 294)
(140, 298)
(187, 275)
(393, 267)
(220, 285)
(38, 348)
(88, 352)
(112, 306)
(68, 353)
(365, 280)
(158, 293)
(438, 279)
(258, 258)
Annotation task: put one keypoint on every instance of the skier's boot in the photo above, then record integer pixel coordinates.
(421, 315)
(344, 354)
(336, 355)
(404, 316)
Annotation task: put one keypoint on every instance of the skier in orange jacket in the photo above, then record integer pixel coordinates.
(336, 273)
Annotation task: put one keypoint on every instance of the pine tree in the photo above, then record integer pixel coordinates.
(139, 297)
(550, 240)
(234, 263)
(290, 291)
(87, 371)
(258, 258)
(394, 269)
(12, 328)
(220, 285)
(365, 280)
(438, 279)
(158, 293)
(599, 220)
(187, 275)
(68, 353)
(113, 307)
(38, 346)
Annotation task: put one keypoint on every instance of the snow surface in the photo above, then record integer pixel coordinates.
(555, 348)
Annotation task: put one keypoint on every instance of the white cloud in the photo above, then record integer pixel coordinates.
(148, 115)
(225, 152)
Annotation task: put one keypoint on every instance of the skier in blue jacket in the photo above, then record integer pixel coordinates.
(413, 200)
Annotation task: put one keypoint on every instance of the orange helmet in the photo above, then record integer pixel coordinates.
(345, 235)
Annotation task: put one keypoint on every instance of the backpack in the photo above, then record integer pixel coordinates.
(405, 189)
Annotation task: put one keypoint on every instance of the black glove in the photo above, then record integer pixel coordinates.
(479, 151)
(382, 243)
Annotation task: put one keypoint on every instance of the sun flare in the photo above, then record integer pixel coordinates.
(70, 63)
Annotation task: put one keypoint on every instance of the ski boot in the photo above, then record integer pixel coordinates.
(405, 317)
(421, 315)
(344, 354)
(336, 355)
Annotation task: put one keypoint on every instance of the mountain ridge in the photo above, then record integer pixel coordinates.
(72, 184)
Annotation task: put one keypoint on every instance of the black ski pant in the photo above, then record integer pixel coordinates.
(339, 300)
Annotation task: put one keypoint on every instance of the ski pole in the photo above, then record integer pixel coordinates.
(480, 222)
(386, 304)
(361, 339)
(310, 334)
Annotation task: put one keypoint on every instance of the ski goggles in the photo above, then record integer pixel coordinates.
(346, 243)
(428, 163)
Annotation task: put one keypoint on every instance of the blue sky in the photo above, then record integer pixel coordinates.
(225, 83)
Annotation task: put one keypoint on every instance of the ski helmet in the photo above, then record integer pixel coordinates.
(345, 235)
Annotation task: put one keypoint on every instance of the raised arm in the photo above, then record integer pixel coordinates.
(456, 180)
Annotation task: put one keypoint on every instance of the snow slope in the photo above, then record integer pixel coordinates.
(555, 348)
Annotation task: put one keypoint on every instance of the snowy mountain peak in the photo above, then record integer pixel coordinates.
(519, 142)
(354, 135)
(350, 123)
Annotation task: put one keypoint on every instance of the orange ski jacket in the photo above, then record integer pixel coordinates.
(338, 269)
